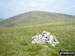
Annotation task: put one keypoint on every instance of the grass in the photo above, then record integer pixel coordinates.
(17, 41)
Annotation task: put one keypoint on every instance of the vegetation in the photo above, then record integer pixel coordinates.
(17, 41)
(16, 34)
(35, 18)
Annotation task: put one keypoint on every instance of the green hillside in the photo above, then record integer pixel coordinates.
(17, 41)
(35, 18)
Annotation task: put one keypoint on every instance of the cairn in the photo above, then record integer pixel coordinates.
(45, 38)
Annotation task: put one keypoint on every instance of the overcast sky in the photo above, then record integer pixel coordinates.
(9, 8)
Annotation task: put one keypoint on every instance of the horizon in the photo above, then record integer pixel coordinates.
(16, 7)
(37, 11)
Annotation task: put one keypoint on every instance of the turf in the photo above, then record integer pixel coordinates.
(17, 41)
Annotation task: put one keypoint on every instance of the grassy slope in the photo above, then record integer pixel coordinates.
(17, 41)
(35, 18)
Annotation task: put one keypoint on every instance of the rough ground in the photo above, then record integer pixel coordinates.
(17, 41)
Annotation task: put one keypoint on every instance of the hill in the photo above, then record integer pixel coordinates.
(1, 19)
(17, 41)
(35, 18)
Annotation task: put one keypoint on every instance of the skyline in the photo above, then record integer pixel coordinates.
(14, 7)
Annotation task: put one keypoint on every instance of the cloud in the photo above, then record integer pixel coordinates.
(37, 3)
(10, 8)
(73, 6)
(23, 5)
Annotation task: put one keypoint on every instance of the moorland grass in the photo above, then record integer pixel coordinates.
(17, 41)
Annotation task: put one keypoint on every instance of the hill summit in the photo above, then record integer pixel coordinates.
(35, 18)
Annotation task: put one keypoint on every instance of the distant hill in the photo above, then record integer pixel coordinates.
(35, 18)
(1, 19)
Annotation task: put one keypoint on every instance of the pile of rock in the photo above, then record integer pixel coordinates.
(45, 38)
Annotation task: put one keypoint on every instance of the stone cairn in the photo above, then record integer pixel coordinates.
(45, 38)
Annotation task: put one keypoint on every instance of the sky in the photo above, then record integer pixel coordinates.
(10, 8)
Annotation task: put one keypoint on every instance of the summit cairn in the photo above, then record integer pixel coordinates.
(44, 38)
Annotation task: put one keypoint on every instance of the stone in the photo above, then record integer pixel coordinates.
(53, 41)
(45, 38)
